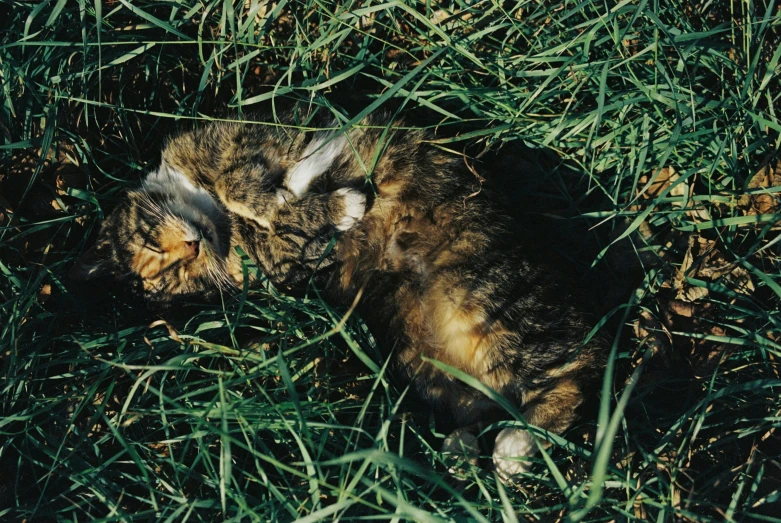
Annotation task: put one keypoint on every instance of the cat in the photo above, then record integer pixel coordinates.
(437, 268)
(176, 235)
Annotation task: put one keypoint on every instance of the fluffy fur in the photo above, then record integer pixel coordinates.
(440, 270)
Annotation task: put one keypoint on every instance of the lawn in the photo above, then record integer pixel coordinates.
(652, 125)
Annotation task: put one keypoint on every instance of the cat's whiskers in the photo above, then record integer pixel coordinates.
(162, 214)
(150, 205)
(210, 272)
(219, 273)
(215, 271)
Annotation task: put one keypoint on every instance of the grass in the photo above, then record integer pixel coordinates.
(269, 407)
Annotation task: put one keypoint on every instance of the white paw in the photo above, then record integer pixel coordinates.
(512, 448)
(461, 444)
(354, 207)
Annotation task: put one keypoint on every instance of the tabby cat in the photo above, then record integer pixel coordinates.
(435, 267)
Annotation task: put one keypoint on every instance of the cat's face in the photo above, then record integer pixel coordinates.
(166, 243)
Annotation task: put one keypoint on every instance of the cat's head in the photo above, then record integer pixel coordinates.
(168, 238)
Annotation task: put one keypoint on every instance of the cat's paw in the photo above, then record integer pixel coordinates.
(511, 449)
(284, 197)
(460, 450)
(354, 203)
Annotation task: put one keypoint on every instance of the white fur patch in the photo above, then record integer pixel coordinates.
(512, 446)
(188, 202)
(354, 207)
(317, 157)
(283, 197)
(168, 180)
(191, 233)
(461, 441)
(461, 444)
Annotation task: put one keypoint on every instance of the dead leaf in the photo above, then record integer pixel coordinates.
(662, 179)
(758, 202)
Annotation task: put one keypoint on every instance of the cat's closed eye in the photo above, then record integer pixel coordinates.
(154, 248)
(172, 244)
(169, 247)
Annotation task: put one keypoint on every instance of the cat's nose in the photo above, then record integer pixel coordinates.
(193, 247)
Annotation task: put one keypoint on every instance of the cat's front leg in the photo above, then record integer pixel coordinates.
(298, 237)
(350, 205)
(317, 214)
(251, 197)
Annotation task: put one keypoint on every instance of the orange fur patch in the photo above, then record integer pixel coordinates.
(456, 327)
(149, 264)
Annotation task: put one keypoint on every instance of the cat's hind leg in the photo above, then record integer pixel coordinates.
(552, 410)
(461, 449)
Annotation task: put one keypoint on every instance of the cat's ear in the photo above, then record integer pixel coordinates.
(94, 263)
